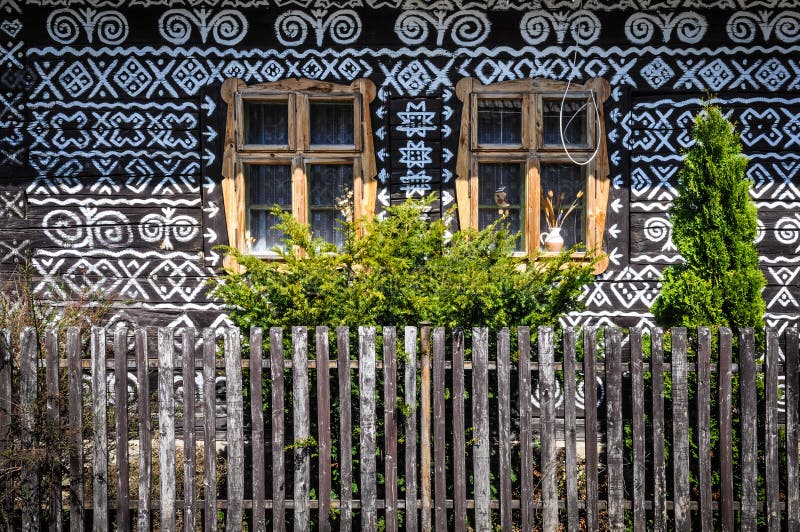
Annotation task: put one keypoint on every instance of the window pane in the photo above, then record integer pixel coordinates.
(264, 237)
(330, 200)
(266, 123)
(499, 121)
(574, 122)
(500, 192)
(565, 181)
(268, 185)
(332, 123)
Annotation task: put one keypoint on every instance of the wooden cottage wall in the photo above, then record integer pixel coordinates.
(111, 124)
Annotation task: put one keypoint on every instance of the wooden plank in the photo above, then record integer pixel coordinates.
(323, 427)
(145, 433)
(771, 451)
(549, 460)
(439, 429)
(480, 418)
(569, 429)
(302, 429)
(6, 403)
(525, 429)
(704, 425)
(410, 399)
(792, 429)
(504, 428)
(189, 444)
(680, 430)
(166, 428)
(638, 430)
(614, 449)
(278, 473)
(74, 375)
(748, 429)
(257, 417)
(345, 429)
(235, 429)
(659, 465)
(425, 428)
(366, 382)
(590, 427)
(121, 415)
(725, 431)
(99, 432)
(209, 430)
(459, 435)
(390, 425)
(28, 388)
(52, 377)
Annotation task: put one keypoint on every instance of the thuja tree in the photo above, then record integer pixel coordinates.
(714, 227)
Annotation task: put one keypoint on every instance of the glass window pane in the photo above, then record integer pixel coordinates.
(562, 184)
(264, 237)
(332, 123)
(499, 121)
(574, 122)
(267, 186)
(330, 200)
(266, 123)
(501, 193)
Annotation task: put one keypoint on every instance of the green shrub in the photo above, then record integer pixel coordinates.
(401, 270)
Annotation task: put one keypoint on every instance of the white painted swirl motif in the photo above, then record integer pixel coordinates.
(745, 27)
(227, 27)
(64, 25)
(468, 27)
(659, 230)
(689, 27)
(583, 26)
(167, 225)
(90, 228)
(787, 26)
(534, 27)
(343, 25)
(787, 231)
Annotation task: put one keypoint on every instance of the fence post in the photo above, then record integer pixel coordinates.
(145, 441)
(74, 374)
(616, 484)
(638, 430)
(345, 428)
(525, 428)
(166, 428)
(440, 494)
(549, 463)
(590, 421)
(704, 424)
(390, 424)
(210, 429)
(121, 413)
(425, 426)
(749, 427)
(278, 474)
(480, 417)
(792, 432)
(257, 414)
(366, 381)
(300, 407)
(459, 436)
(725, 436)
(569, 428)
(28, 387)
(324, 427)
(410, 389)
(504, 422)
(235, 429)
(680, 429)
(5, 409)
(54, 418)
(189, 445)
(771, 420)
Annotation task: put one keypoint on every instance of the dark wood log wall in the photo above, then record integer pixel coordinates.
(111, 124)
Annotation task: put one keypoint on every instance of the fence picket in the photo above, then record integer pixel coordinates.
(390, 424)
(278, 472)
(75, 407)
(525, 429)
(439, 451)
(590, 423)
(480, 417)
(548, 463)
(166, 428)
(323, 427)
(771, 420)
(616, 485)
(235, 429)
(680, 429)
(209, 430)
(410, 399)
(28, 358)
(54, 418)
(99, 433)
(748, 430)
(504, 428)
(459, 435)
(725, 428)
(425, 428)
(257, 417)
(637, 430)
(345, 429)
(189, 445)
(121, 415)
(301, 426)
(792, 429)
(366, 421)
(704, 424)
(569, 429)
(145, 442)
(659, 465)
(5, 414)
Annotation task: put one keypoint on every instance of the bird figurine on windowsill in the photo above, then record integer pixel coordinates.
(501, 200)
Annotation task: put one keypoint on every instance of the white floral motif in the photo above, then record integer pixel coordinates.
(64, 25)
(228, 27)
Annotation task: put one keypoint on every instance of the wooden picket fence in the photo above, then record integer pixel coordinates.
(474, 454)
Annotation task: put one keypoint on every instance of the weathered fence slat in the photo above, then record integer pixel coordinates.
(257, 417)
(323, 427)
(345, 428)
(75, 407)
(616, 485)
(590, 423)
(121, 415)
(425, 428)
(771, 420)
(5, 409)
(166, 428)
(680, 429)
(302, 430)
(278, 472)
(704, 424)
(504, 428)
(54, 418)
(792, 429)
(659, 466)
(637, 430)
(410, 399)
(525, 429)
(725, 428)
(480, 417)
(549, 462)
(235, 429)
(459, 436)
(145, 442)
(366, 381)
(748, 434)
(439, 445)
(569, 429)
(390, 424)
(209, 430)
(189, 446)
(28, 387)
(99, 433)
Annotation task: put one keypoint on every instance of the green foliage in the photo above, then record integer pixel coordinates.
(714, 226)
(400, 270)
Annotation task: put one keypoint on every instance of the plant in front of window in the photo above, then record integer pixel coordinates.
(555, 214)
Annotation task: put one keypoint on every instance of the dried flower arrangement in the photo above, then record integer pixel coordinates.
(553, 207)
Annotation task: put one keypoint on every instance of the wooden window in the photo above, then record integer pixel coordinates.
(303, 145)
(511, 152)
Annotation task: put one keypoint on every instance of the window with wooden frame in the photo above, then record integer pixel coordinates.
(303, 145)
(512, 161)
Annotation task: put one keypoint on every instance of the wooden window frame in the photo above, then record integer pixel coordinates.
(299, 153)
(533, 152)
